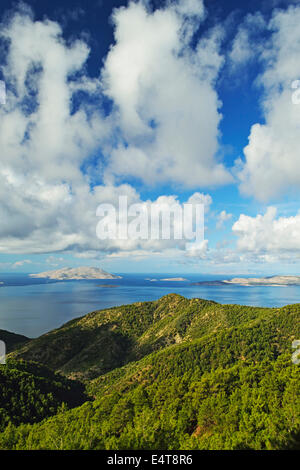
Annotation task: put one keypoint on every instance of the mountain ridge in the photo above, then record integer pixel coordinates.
(106, 339)
(197, 375)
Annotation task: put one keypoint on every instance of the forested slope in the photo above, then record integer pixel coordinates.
(196, 375)
(104, 340)
(30, 392)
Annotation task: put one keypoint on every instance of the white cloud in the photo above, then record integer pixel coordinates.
(198, 252)
(19, 264)
(265, 238)
(54, 260)
(201, 198)
(44, 141)
(165, 108)
(48, 140)
(222, 218)
(47, 204)
(272, 155)
(268, 236)
(190, 8)
(245, 45)
(164, 96)
(171, 211)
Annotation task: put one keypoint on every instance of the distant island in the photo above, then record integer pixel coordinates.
(274, 281)
(177, 279)
(209, 283)
(83, 272)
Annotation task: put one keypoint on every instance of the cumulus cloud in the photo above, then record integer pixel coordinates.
(164, 96)
(269, 237)
(152, 225)
(48, 134)
(272, 155)
(264, 238)
(43, 140)
(46, 200)
(201, 198)
(39, 132)
(199, 251)
(222, 218)
(164, 127)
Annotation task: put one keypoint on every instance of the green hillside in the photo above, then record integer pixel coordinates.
(172, 374)
(104, 340)
(30, 392)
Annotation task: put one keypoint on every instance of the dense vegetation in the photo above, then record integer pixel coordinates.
(104, 340)
(193, 374)
(30, 392)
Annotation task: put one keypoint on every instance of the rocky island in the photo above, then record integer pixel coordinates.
(273, 281)
(83, 272)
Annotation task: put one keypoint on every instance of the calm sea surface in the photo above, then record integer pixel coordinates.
(33, 307)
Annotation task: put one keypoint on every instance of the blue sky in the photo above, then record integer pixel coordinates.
(168, 102)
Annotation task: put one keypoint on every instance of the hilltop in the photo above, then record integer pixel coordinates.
(103, 340)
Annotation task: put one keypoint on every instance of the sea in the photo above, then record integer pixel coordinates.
(32, 307)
